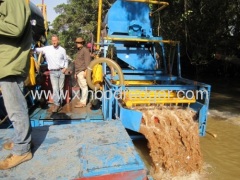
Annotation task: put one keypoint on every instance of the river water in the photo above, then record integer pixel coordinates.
(222, 154)
(221, 145)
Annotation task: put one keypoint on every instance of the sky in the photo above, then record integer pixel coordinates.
(51, 4)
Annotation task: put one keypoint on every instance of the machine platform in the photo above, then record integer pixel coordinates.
(92, 150)
(67, 115)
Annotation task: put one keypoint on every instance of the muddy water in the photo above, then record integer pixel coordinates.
(221, 154)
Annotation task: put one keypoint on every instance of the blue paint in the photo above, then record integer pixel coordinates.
(131, 119)
(133, 21)
(75, 151)
(100, 160)
(51, 140)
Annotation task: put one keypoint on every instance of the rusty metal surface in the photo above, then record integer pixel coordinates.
(130, 175)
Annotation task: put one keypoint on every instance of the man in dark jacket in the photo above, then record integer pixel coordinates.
(15, 43)
(81, 63)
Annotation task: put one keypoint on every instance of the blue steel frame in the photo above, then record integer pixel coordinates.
(130, 30)
(131, 119)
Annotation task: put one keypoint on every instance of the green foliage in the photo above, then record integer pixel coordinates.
(204, 27)
(76, 19)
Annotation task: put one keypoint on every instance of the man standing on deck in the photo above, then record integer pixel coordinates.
(57, 61)
(15, 43)
(82, 61)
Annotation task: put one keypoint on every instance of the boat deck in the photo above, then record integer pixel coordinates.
(91, 150)
(67, 115)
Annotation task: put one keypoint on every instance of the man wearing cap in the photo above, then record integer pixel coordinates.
(81, 63)
(56, 58)
(15, 44)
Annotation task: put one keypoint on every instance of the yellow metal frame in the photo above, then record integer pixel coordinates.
(151, 97)
(140, 40)
(99, 23)
(132, 82)
(164, 4)
(160, 101)
(141, 94)
(44, 12)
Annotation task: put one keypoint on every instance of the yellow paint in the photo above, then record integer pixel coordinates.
(31, 80)
(97, 75)
(99, 23)
(142, 94)
(131, 82)
(162, 101)
(140, 40)
(44, 12)
(142, 97)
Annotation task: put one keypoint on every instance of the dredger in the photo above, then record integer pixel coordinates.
(134, 73)
(130, 72)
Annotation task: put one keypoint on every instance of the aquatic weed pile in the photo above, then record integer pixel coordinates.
(173, 139)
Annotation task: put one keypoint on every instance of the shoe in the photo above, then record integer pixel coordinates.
(55, 108)
(14, 160)
(10, 145)
(80, 105)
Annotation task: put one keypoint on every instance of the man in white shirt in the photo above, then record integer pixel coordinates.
(57, 64)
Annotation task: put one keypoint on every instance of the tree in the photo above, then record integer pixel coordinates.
(77, 18)
(204, 27)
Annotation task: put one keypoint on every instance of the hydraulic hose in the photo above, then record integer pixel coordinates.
(110, 63)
